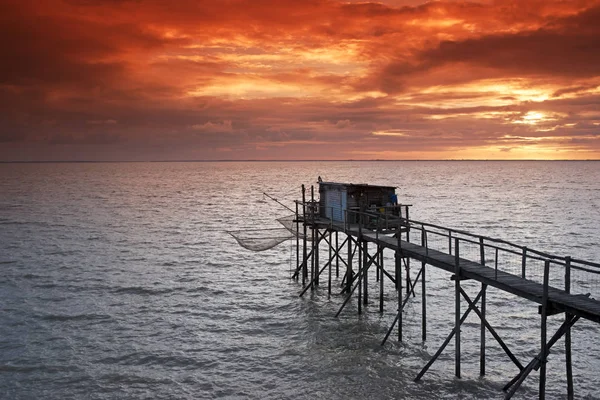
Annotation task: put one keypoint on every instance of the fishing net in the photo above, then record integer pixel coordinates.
(267, 238)
(261, 239)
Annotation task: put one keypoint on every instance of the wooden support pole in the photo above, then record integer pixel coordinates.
(308, 286)
(380, 274)
(337, 259)
(407, 264)
(297, 240)
(490, 328)
(482, 339)
(483, 317)
(378, 264)
(330, 255)
(365, 247)
(312, 259)
(448, 339)
(457, 309)
(314, 265)
(569, 367)
(536, 361)
(358, 284)
(544, 352)
(304, 244)
(349, 266)
(399, 285)
(423, 293)
(360, 275)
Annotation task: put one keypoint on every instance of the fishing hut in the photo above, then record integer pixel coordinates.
(335, 199)
(350, 228)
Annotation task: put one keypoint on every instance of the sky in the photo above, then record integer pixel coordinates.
(150, 80)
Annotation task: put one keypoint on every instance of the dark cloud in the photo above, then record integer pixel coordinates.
(148, 79)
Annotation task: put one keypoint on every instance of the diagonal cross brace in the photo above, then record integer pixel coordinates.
(357, 276)
(493, 331)
(450, 336)
(537, 361)
(408, 293)
(316, 277)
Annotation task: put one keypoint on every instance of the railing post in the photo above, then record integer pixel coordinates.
(457, 308)
(523, 262)
(496, 264)
(569, 368)
(360, 222)
(426, 241)
(449, 241)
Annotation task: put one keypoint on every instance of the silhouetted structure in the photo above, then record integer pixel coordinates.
(371, 226)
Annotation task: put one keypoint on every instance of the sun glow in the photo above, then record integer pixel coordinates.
(535, 118)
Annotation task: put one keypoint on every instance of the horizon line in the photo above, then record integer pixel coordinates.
(277, 160)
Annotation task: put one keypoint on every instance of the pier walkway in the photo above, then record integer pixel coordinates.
(538, 277)
(559, 300)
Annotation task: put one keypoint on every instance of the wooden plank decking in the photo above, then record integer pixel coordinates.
(558, 299)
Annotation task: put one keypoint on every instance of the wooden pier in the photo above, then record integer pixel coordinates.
(538, 277)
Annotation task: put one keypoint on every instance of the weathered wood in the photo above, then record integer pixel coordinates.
(337, 260)
(366, 274)
(349, 266)
(423, 292)
(330, 258)
(457, 309)
(360, 274)
(483, 309)
(304, 257)
(448, 339)
(380, 274)
(491, 329)
(297, 240)
(523, 262)
(399, 284)
(569, 368)
(544, 352)
(536, 361)
(315, 243)
(551, 299)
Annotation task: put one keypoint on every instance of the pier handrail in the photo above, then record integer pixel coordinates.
(559, 260)
(540, 277)
(530, 264)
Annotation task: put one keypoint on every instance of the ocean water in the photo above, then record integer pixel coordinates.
(119, 280)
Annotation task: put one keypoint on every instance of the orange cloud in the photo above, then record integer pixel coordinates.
(128, 79)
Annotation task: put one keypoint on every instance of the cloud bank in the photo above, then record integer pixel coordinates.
(318, 79)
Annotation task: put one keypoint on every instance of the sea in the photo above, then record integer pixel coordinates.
(122, 281)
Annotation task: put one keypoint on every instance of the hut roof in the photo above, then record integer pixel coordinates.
(356, 185)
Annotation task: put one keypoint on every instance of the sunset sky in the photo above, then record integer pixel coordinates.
(294, 79)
